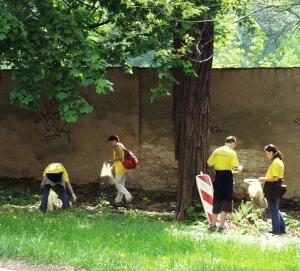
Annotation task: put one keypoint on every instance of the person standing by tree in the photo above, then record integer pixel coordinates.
(273, 188)
(225, 162)
(55, 175)
(120, 170)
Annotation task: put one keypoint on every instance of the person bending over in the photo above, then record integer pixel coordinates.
(56, 176)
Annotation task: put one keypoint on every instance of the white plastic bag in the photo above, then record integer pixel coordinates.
(106, 174)
(256, 194)
(52, 200)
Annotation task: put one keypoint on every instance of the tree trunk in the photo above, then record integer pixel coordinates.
(191, 118)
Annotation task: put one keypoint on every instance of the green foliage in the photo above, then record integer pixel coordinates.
(194, 214)
(291, 222)
(11, 196)
(248, 219)
(102, 201)
(290, 49)
(55, 47)
(269, 39)
(46, 44)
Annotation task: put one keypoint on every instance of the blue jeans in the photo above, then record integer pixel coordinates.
(62, 195)
(278, 225)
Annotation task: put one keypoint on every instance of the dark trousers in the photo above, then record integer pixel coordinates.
(278, 225)
(62, 195)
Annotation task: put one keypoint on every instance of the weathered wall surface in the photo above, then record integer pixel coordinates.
(31, 140)
(258, 106)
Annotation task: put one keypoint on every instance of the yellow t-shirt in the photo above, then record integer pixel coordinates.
(119, 168)
(57, 168)
(223, 158)
(276, 169)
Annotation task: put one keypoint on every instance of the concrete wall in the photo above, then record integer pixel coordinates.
(259, 106)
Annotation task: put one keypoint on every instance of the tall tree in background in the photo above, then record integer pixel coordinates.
(55, 45)
(191, 115)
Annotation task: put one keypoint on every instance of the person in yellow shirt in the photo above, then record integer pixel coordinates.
(120, 170)
(273, 187)
(224, 160)
(55, 175)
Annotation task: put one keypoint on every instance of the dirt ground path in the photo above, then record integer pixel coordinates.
(16, 265)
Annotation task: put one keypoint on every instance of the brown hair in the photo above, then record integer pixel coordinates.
(113, 137)
(274, 150)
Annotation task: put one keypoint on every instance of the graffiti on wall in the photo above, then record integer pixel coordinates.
(218, 130)
(297, 121)
(53, 126)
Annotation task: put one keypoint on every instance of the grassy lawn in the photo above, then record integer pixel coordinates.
(106, 240)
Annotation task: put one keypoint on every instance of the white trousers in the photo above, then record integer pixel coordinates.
(120, 186)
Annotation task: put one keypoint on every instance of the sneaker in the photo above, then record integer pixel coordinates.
(130, 200)
(117, 204)
(277, 233)
(221, 228)
(212, 227)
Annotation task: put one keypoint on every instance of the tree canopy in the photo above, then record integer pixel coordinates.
(273, 39)
(55, 46)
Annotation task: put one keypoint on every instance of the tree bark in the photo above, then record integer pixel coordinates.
(191, 117)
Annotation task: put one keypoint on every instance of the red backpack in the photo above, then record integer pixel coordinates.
(130, 160)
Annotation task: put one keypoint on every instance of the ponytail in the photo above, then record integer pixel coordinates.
(274, 150)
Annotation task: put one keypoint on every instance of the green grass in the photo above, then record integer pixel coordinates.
(12, 196)
(112, 241)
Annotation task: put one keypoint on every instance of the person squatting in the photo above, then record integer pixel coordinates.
(56, 177)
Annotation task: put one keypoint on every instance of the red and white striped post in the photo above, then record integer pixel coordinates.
(206, 192)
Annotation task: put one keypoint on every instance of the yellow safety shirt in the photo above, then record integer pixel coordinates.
(223, 158)
(57, 168)
(119, 168)
(276, 169)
